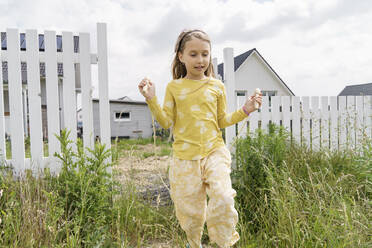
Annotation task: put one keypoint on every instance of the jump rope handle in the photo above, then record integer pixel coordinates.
(257, 93)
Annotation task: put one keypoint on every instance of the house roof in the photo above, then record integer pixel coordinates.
(22, 39)
(123, 101)
(119, 101)
(238, 61)
(125, 98)
(357, 90)
(41, 49)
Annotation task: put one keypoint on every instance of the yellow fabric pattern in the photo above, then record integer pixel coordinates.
(197, 111)
(190, 181)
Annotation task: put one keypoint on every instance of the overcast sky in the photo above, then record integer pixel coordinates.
(316, 46)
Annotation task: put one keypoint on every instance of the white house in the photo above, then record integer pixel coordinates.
(252, 71)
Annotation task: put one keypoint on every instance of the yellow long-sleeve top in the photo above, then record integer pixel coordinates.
(197, 111)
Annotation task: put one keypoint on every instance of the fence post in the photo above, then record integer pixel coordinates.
(104, 106)
(229, 75)
(2, 118)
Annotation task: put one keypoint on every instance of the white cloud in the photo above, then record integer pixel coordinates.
(310, 44)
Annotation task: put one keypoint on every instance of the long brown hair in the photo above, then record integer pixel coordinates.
(178, 68)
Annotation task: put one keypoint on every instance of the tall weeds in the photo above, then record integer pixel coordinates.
(289, 196)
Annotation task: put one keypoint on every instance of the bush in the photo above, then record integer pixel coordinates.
(83, 190)
(82, 206)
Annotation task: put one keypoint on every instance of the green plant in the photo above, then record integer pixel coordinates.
(290, 196)
(84, 188)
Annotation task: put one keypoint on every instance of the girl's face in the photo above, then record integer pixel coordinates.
(196, 57)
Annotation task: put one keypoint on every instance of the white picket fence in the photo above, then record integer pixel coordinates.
(331, 122)
(32, 56)
(334, 123)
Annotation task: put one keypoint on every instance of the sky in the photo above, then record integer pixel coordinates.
(317, 47)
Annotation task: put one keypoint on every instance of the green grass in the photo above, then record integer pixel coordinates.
(290, 196)
(287, 196)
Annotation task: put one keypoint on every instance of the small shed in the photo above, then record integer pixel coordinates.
(128, 118)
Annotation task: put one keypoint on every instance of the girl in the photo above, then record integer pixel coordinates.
(195, 105)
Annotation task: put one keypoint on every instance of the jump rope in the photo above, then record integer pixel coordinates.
(146, 87)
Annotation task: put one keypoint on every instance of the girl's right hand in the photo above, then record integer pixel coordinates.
(150, 91)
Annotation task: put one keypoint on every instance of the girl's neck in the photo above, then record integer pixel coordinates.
(196, 78)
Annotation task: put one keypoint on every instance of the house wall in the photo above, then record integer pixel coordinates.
(253, 73)
(140, 120)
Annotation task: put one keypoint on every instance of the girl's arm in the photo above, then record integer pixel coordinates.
(224, 119)
(165, 116)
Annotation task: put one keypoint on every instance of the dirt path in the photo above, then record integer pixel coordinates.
(144, 172)
(147, 174)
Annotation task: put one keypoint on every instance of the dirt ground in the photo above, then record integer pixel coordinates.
(146, 173)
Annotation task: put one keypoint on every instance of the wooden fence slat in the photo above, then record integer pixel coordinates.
(315, 123)
(253, 122)
(15, 101)
(2, 117)
(34, 96)
(324, 130)
(86, 88)
(265, 114)
(350, 102)
(358, 119)
(334, 123)
(275, 109)
(367, 116)
(243, 131)
(342, 122)
(296, 119)
(51, 81)
(305, 120)
(69, 97)
(286, 100)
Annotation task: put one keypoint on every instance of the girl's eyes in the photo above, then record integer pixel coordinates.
(204, 55)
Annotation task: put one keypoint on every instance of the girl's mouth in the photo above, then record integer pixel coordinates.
(199, 68)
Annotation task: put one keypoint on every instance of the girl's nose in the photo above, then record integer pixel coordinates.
(200, 58)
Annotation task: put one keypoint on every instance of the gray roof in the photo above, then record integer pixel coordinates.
(23, 45)
(23, 40)
(119, 101)
(357, 90)
(238, 61)
(123, 101)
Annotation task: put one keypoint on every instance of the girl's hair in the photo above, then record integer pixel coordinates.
(178, 68)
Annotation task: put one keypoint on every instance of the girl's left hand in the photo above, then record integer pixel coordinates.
(249, 104)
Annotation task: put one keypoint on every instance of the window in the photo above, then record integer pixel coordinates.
(269, 92)
(122, 116)
(240, 93)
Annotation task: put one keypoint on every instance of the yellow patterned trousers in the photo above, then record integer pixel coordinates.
(190, 181)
